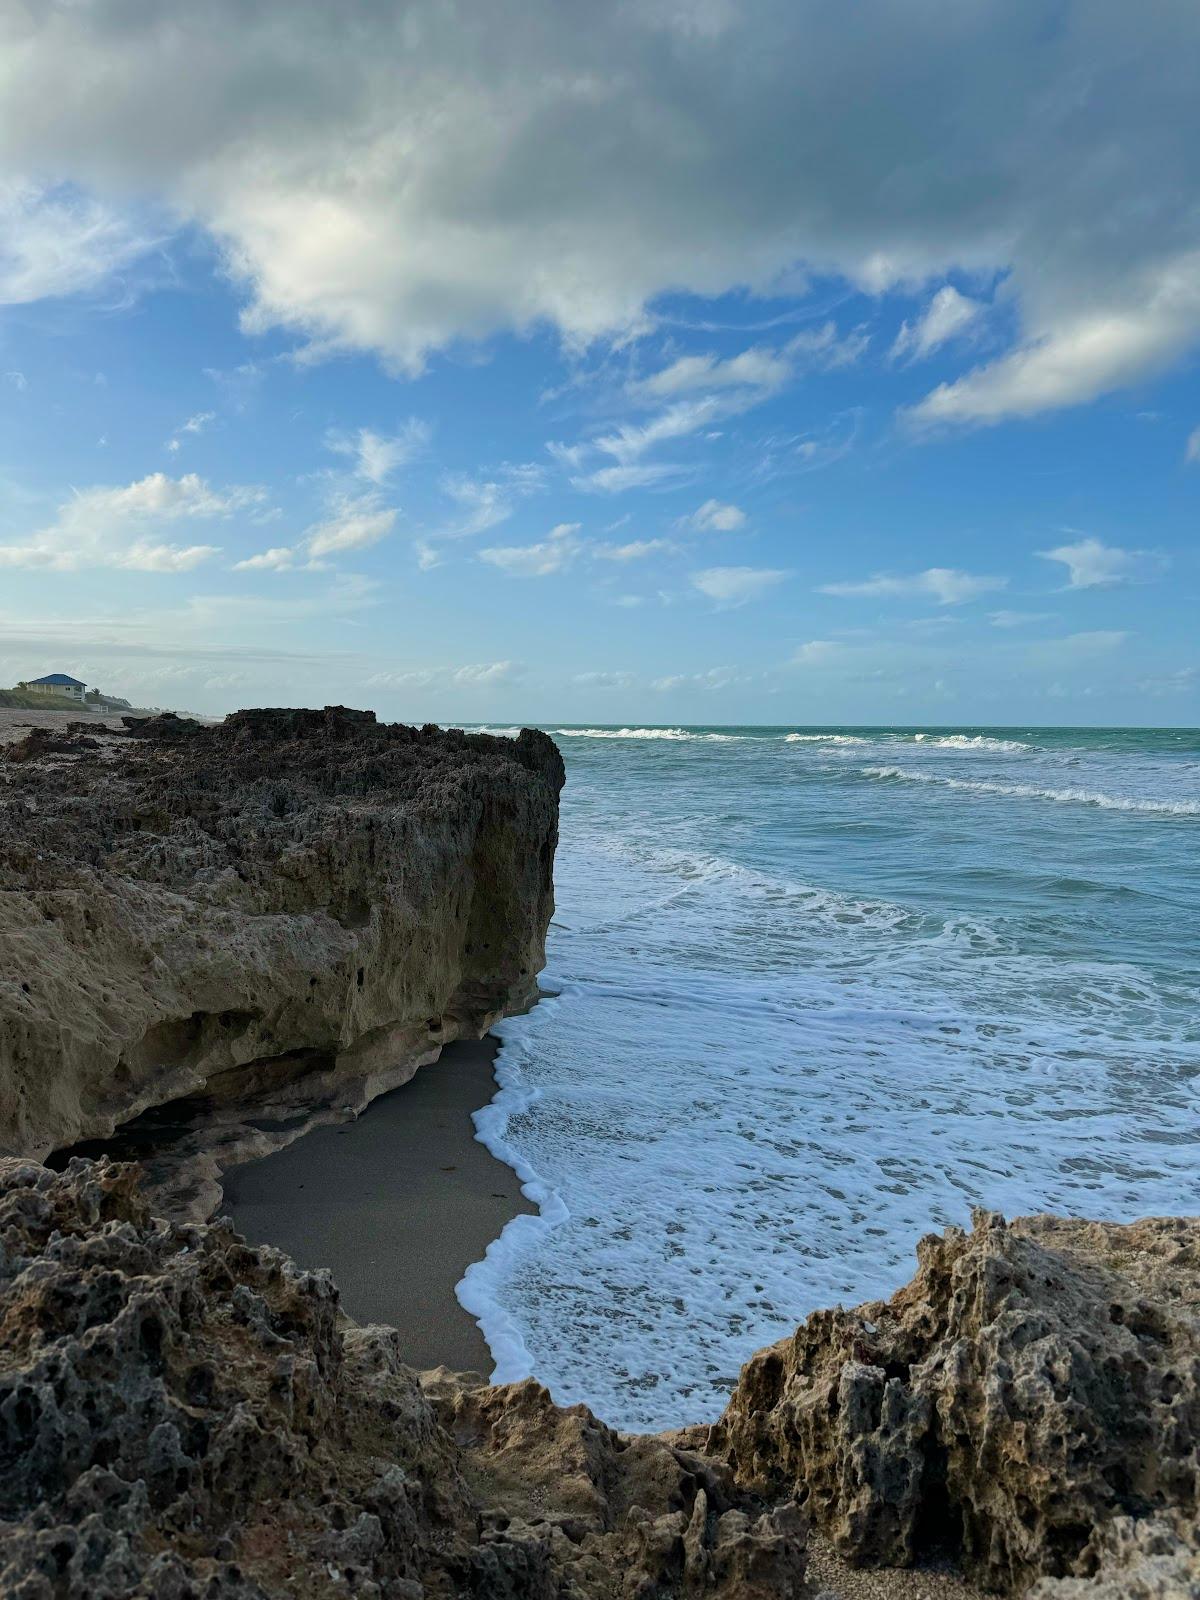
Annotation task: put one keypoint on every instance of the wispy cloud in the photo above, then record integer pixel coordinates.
(734, 586)
(194, 424)
(949, 315)
(376, 457)
(635, 550)
(816, 653)
(475, 674)
(946, 585)
(604, 680)
(757, 368)
(1019, 619)
(485, 502)
(715, 516)
(354, 522)
(1091, 564)
(58, 241)
(1075, 648)
(711, 679)
(551, 555)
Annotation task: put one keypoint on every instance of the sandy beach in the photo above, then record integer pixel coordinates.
(16, 721)
(397, 1204)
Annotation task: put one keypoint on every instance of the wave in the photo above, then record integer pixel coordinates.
(645, 733)
(979, 741)
(1028, 791)
(824, 738)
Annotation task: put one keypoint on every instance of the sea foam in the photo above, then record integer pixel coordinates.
(798, 1025)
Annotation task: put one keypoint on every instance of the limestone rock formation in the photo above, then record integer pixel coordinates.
(1030, 1401)
(183, 1416)
(250, 925)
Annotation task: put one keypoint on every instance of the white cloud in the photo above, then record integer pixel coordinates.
(118, 526)
(486, 502)
(488, 672)
(377, 456)
(1075, 648)
(1018, 619)
(734, 586)
(604, 680)
(552, 555)
(18, 380)
(635, 550)
(946, 585)
(1192, 448)
(474, 675)
(58, 242)
(714, 516)
(949, 315)
(713, 678)
(1091, 564)
(194, 424)
(631, 441)
(826, 350)
(756, 368)
(1077, 356)
(281, 559)
(615, 480)
(816, 653)
(405, 183)
(355, 524)
(1182, 681)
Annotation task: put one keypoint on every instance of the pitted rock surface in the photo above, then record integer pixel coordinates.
(1030, 1401)
(184, 1416)
(290, 898)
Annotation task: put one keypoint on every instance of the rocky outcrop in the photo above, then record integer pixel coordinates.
(1030, 1402)
(182, 1416)
(212, 935)
(185, 1416)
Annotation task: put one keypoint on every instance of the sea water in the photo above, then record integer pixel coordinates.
(818, 992)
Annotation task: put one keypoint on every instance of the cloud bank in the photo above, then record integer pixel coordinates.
(395, 179)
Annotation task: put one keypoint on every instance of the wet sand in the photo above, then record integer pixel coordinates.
(397, 1204)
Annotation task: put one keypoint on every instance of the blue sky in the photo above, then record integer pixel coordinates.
(669, 363)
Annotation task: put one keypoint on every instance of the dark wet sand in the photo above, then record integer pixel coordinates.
(397, 1204)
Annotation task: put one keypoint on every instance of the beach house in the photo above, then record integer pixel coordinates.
(56, 683)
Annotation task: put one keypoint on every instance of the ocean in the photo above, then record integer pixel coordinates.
(816, 993)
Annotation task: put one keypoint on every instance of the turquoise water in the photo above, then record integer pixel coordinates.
(819, 991)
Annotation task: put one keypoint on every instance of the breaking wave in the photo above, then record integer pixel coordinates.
(1029, 791)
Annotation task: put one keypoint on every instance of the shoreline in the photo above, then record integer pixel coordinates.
(398, 1204)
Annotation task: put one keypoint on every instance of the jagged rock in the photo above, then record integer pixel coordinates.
(289, 911)
(1033, 1386)
(184, 1416)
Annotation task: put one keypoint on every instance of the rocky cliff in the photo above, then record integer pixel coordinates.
(183, 1417)
(210, 936)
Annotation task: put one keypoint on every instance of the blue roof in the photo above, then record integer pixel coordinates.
(61, 681)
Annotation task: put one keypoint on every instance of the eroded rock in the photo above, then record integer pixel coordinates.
(182, 1415)
(289, 911)
(1033, 1392)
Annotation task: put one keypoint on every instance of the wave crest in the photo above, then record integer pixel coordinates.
(1029, 791)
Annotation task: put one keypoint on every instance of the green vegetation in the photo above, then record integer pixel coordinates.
(23, 700)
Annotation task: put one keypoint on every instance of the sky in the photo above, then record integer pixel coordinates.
(604, 361)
